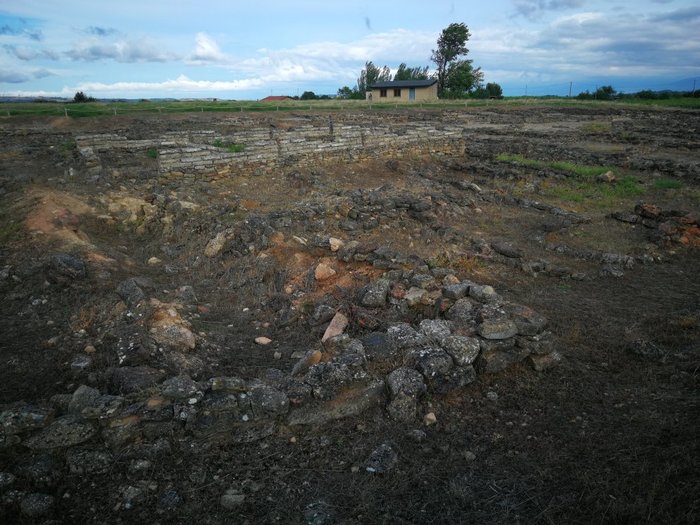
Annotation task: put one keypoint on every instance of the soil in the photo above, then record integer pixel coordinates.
(609, 435)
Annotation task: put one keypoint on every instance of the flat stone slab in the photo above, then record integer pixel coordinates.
(64, 432)
(349, 403)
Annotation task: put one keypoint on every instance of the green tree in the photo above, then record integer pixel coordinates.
(494, 90)
(82, 97)
(461, 79)
(411, 73)
(369, 75)
(451, 45)
(308, 95)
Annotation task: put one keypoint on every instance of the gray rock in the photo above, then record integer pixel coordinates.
(461, 312)
(497, 328)
(266, 401)
(491, 361)
(130, 379)
(131, 496)
(35, 505)
(83, 397)
(318, 513)
(403, 336)
(417, 435)
(375, 294)
(484, 294)
(424, 281)
(506, 249)
(403, 408)
(377, 345)
(354, 402)
(81, 362)
(464, 350)
(453, 379)
(6, 479)
(169, 500)
(540, 344)
(86, 461)
(23, 417)
(456, 291)
(130, 292)
(322, 314)
(430, 361)
(180, 387)
(382, 459)
(227, 384)
(42, 470)
(327, 379)
(435, 330)
(406, 381)
(528, 321)
(63, 268)
(64, 432)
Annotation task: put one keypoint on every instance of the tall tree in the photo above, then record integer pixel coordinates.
(451, 45)
(411, 73)
(371, 74)
(461, 78)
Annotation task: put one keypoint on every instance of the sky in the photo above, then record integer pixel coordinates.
(251, 49)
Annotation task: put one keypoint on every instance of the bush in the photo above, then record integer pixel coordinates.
(81, 97)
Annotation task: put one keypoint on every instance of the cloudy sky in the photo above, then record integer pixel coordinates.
(250, 49)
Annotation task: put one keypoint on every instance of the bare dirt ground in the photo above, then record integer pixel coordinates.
(117, 281)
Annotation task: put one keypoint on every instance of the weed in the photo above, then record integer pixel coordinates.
(597, 127)
(230, 147)
(569, 167)
(667, 184)
(152, 153)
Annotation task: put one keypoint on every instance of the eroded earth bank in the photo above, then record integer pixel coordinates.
(488, 315)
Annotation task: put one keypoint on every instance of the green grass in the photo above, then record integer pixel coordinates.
(568, 167)
(230, 147)
(152, 153)
(667, 184)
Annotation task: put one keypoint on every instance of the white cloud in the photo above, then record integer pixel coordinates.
(181, 84)
(125, 51)
(207, 50)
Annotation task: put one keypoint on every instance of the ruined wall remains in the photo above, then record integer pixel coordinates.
(267, 146)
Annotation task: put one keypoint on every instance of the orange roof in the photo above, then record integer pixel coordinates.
(275, 98)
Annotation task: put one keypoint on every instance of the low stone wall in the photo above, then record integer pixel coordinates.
(266, 147)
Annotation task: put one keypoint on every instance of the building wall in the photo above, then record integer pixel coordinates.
(423, 94)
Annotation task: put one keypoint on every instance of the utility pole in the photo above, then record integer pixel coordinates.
(693, 93)
(525, 89)
(570, 84)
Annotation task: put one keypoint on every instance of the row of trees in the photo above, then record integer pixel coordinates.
(455, 74)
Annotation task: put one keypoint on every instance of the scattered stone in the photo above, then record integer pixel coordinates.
(35, 505)
(507, 250)
(180, 387)
(497, 328)
(153, 261)
(414, 296)
(64, 432)
(323, 272)
(375, 294)
(318, 513)
(377, 346)
(215, 245)
(227, 384)
(266, 401)
(262, 340)
(402, 336)
(417, 435)
(382, 459)
(484, 294)
(405, 381)
(87, 461)
(469, 456)
(352, 402)
(277, 356)
(461, 312)
(322, 314)
(337, 326)
(335, 244)
(607, 177)
(463, 350)
(456, 291)
(491, 395)
(7, 479)
(528, 321)
(311, 358)
(64, 268)
(169, 500)
(435, 330)
(429, 419)
(646, 349)
(23, 417)
(131, 496)
(169, 329)
(130, 292)
(430, 361)
(130, 379)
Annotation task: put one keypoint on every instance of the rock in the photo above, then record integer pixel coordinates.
(323, 272)
(131, 496)
(327, 379)
(528, 321)
(377, 346)
(403, 408)
(453, 379)
(180, 388)
(430, 361)
(130, 292)
(215, 245)
(169, 500)
(130, 379)
(405, 381)
(382, 459)
(540, 344)
(648, 211)
(227, 384)
(463, 350)
(35, 505)
(484, 294)
(456, 291)
(43, 470)
(461, 312)
(491, 395)
(23, 417)
(607, 177)
(7, 479)
(337, 327)
(232, 499)
(402, 336)
(429, 419)
(424, 281)
(335, 244)
(64, 268)
(351, 402)
(169, 329)
(435, 330)
(262, 340)
(415, 295)
(375, 294)
(491, 361)
(506, 249)
(322, 314)
(64, 432)
(266, 401)
(497, 328)
(153, 261)
(311, 358)
(544, 362)
(83, 397)
(88, 461)
(81, 362)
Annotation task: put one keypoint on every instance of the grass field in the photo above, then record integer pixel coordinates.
(92, 109)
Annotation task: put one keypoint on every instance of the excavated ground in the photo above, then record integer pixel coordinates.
(126, 290)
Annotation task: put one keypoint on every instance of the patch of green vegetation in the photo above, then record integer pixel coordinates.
(10, 228)
(152, 153)
(68, 148)
(569, 167)
(230, 147)
(587, 191)
(597, 127)
(667, 184)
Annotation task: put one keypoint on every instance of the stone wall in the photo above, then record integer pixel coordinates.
(266, 146)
